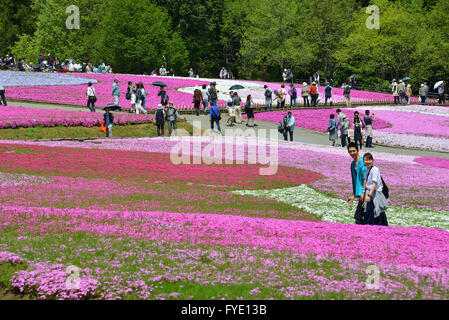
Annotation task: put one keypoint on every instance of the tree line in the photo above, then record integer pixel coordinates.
(255, 39)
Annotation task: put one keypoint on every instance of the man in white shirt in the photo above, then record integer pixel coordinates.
(91, 97)
(206, 97)
(162, 71)
(231, 109)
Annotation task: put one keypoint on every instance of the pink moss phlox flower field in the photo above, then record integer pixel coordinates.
(317, 120)
(14, 117)
(137, 226)
(408, 129)
(77, 94)
(412, 184)
(48, 280)
(433, 162)
(337, 93)
(407, 246)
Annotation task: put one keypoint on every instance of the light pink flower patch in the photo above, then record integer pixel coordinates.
(433, 162)
(14, 117)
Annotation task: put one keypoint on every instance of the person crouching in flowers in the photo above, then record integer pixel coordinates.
(108, 122)
(372, 195)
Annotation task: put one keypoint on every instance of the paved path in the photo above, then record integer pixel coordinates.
(302, 135)
(306, 136)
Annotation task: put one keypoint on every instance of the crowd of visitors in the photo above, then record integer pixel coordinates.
(343, 124)
(51, 64)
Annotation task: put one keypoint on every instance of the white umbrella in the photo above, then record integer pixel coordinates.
(439, 83)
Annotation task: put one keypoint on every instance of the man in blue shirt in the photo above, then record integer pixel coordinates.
(328, 94)
(116, 92)
(289, 126)
(358, 171)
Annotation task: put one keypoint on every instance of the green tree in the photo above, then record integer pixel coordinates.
(322, 25)
(16, 18)
(232, 30)
(271, 34)
(386, 53)
(137, 35)
(53, 35)
(199, 24)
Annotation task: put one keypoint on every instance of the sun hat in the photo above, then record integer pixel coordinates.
(304, 83)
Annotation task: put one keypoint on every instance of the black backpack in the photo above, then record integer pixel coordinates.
(385, 189)
(347, 90)
(128, 94)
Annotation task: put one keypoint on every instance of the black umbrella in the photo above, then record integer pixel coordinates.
(159, 84)
(112, 107)
(236, 87)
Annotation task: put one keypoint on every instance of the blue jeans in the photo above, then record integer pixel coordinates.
(217, 122)
(325, 100)
(403, 100)
(269, 105)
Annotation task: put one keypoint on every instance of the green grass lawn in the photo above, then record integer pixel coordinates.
(130, 131)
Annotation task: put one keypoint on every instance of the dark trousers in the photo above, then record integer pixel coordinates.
(288, 131)
(2, 95)
(359, 213)
(292, 102)
(360, 143)
(306, 101)
(314, 99)
(217, 122)
(160, 129)
(325, 100)
(281, 104)
(441, 98)
(344, 138)
(396, 100)
(197, 107)
(369, 142)
(369, 219)
(91, 104)
(423, 99)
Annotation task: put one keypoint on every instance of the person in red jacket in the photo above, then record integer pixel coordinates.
(313, 91)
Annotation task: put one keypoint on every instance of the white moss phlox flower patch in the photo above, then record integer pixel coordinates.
(332, 209)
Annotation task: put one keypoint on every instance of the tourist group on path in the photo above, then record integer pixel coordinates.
(342, 124)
